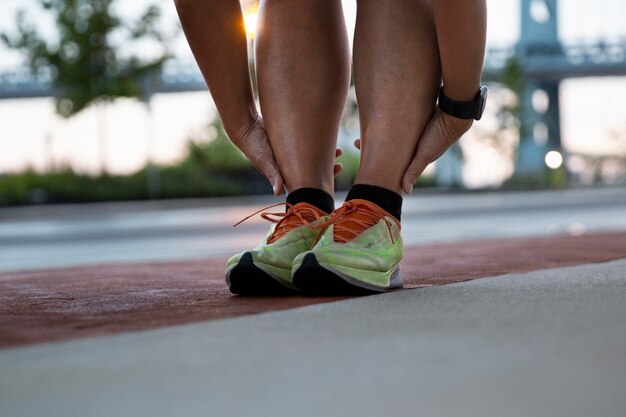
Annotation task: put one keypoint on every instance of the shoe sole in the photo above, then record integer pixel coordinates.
(246, 278)
(313, 279)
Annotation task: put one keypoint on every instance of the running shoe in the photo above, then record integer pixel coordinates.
(266, 269)
(358, 252)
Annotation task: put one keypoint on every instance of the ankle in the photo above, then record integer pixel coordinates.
(314, 196)
(325, 185)
(386, 199)
(379, 180)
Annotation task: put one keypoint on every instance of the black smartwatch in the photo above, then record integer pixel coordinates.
(464, 109)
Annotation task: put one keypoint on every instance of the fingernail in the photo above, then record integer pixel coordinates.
(410, 189)
(274, 187)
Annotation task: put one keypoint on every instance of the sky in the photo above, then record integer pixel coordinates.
(32, 135)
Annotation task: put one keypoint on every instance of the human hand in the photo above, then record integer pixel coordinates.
(441, 132)
(254, 142)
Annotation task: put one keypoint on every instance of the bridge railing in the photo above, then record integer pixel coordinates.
(177, 75)
(539, 61)
(561, 60)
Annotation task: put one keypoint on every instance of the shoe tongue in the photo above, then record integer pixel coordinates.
(291, 221)
(344, 228)
(307, 214)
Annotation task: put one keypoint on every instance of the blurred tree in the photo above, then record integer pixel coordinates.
(85, 63)
(506, 100)
(505, 135)
(211, 154)
(211, 151)
(92, 57)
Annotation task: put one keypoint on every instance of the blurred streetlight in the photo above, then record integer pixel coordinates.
(249, 21)
(554, 160)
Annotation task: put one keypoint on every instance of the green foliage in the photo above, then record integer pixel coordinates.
(505, 100)
(84, 63)
(515, 116)
(213, 167)
(350, 160)
(508, 111)
(513, 78)
(67, 186)
(550, 178)
(215, 153)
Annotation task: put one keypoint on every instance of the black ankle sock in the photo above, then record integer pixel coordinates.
(320, 199)
(386, 199)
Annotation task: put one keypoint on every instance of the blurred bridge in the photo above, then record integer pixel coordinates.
(177, 76)
(544, 61)
(541, 61)
(554, 61)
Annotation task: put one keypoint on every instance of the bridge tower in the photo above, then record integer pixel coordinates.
(540, 115)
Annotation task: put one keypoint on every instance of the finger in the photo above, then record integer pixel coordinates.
(429, 148)
(421, 157)
(415, 169)
(276, 180)
(357, 143)
(268, 167)
(338, 152)
(255, 145)
(279, 185)
(337, 168)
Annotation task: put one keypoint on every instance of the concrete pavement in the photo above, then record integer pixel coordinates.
(60, 304)
(546, 343)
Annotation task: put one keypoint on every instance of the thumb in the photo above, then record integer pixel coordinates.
(257, 148)
(415, 169)
(266, 165)
(422, 157)
(269, 168)
(278, 185)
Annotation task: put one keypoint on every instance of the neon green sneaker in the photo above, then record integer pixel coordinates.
(266, 269)
(359, 252)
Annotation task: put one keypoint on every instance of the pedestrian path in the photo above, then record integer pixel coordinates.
(546, 343)
(61, 304)
(45, 237)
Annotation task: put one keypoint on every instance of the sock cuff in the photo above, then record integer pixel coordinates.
(388, 200)
(314, 196)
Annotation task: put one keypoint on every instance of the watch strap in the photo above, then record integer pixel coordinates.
(463, 109)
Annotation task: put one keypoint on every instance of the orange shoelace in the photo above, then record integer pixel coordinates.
(355, 216)
(295, 216)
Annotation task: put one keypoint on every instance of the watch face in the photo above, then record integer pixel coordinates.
(482, 101)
